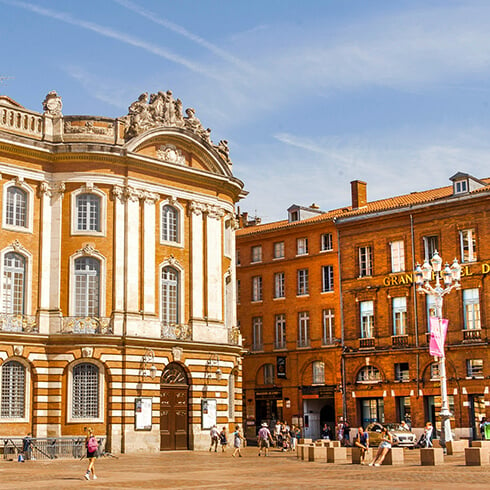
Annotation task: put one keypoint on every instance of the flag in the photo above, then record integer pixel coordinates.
(438, 330)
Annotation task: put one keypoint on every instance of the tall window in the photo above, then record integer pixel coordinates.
(16, 207)
(399, 315)
(268, 374)
(13, 390)
(303, 286)
(279, 250)
(431, 245)
(170, 224)
(13, 287)
(326, 242)
(327, 278)
(238, 291)
(257, 333)
(88, 212)
(85, 393)
(402, 372)
(279, 290)
(87, 286)
(170, 295)
(367, 319)
(301, 246)
(434, 371)
(257, 288)
(280, 331)
(365, 261)
(257, 253)
(474, 368)
(328, 326)
(318, 373)
(397, 256)
(369, 374)
(467, 239)
(303, 329)
(430, 304)
(471, 304)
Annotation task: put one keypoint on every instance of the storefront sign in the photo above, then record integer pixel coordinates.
(268, 394)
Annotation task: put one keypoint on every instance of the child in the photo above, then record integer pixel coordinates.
(223, 439)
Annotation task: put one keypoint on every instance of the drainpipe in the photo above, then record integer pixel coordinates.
(415, 313)
(342, 359)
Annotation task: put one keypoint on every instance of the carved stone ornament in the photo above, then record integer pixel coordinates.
(18, 247)
(88, 187)
(132, 194)
(87, 351)
(150, 197)
(177, 353)
(173, 261)
(170, 154)
(223, 150)
(88, 128)
(53, 189)
(19, 181)
(87, 249)
(118, 192)
(215, 212)
(18, 350)
(52, 104)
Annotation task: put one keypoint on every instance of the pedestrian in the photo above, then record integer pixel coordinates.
(483, 422)
(27, 447)
(428, 434)
(340, 430)
(346, 431)
(384, 447)
(324, 433)
(264, 439)
(277, 432)
(223, 439)
(237, 441)
(92, 445)
(214, 435)
(362, 442)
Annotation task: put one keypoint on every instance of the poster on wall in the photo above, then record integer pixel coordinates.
(208, 413)
(142, 413)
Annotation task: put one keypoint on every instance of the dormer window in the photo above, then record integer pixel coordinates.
(461, 186)
(294, 216)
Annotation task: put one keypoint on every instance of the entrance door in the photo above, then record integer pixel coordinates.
(174, 420)
(477, 412)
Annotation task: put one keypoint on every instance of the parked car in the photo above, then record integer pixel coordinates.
(401, 437)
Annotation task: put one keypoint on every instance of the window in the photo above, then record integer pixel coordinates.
(238, 291)
(468, 245)
(318, 373)
(328, 327)
(474, 368)
(85, 391)
(87, 287)
(257, 288)
(257, 333)
(431, 246)
(372, 410)
(303, 286)
(280, 331)
(279, 250)
(430, 308)
(434, 371)
(327, 278)
(88, 212)
(13, 284)
(397, 256)
(326, 242)
(16, 207)
(170, 224)
(460, 186)
(369, 374)
(238, 257)
(279, 290)
(170, 300)
(402, 372)
(301, 246)
(13, 390)
(403, 408)
(367, 319)
(399, 315)
(303, 329)
(471, 305)
(365, 262)
(268, 374)
(294, 216)
(257, 253)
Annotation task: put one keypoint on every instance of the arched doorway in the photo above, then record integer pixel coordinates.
(174, 397)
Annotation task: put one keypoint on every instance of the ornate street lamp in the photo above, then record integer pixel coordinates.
(450, 275)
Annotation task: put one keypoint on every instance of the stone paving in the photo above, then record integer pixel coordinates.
(196, 470)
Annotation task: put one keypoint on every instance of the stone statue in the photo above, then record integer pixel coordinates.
(52, 104)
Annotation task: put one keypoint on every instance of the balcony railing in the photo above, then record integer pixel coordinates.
(18, 323)
(234, 336)
(399, 340)
(176, 331)
(90, 325)
(473, 335)
(368, 343)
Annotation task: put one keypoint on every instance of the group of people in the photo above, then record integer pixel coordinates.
(285, 437)
(221, 438)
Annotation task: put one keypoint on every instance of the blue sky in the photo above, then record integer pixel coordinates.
(310, 94)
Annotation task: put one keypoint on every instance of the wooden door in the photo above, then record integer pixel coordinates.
(174, 418)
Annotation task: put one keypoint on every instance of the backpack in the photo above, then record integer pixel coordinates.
(92, 444)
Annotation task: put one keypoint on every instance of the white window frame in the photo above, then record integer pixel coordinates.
(257, 340)
(467, 240)
(434, 372)
(369, 375)
(397, 249)
(88, 189)
(303, 329)
(181, 273)
(256, 254)
(365, 261)
(302, 246)
(269, 374)
(279, 285)
(27, 392)
(471, 306)
(472, 366)
(20, 184)
(328, 324)
(327, 279)
(326, 242)
(460, 186)
(278, 250)
(429, 246)
(280, 331)
(366, 309)
(69, 401)
(180, 223)
(318, 373)
(399, 308)
(303, 286)
(257, 290)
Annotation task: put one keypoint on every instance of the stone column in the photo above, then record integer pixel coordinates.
(197, 265)
(132, 235)
(214, 263)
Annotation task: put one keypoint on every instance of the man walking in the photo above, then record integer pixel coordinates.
(214, 434)
(264, 439)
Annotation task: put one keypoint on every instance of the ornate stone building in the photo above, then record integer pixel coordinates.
(117, 291)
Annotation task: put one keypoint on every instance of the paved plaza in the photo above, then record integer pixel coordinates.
(219, 470)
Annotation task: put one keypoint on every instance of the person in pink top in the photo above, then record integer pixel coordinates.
(264, 438)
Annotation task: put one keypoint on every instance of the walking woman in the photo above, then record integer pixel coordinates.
(384, 447)
(237, 441)
(92, 445)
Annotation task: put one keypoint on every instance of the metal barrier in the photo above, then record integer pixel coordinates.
(49, 448)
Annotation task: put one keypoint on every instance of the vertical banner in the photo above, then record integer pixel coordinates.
(438, 330)
(281, 367)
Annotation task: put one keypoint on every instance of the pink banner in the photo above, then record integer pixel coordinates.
(438, 332)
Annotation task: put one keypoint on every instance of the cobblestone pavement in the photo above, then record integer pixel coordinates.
(196, 470)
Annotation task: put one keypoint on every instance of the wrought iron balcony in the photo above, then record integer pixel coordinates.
(472, 335)
(368, 343)
(399, 340)
(10, 322)
(176, 331)
(234, 336)
(89, 325)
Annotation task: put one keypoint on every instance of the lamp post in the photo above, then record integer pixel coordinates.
(446, 279)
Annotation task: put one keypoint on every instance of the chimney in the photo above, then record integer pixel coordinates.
(359, 194)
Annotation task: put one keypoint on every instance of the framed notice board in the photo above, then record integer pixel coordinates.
(208, 413)
(142, 413)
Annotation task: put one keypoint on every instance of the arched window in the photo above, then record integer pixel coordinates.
(369, 374)
(16, 207)
(169, 286)
(318, 373)
(88, 212)
(13, 287)
(85, 391)
(170, 224)
(87, 287)
(268, 374)
(13, 390)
